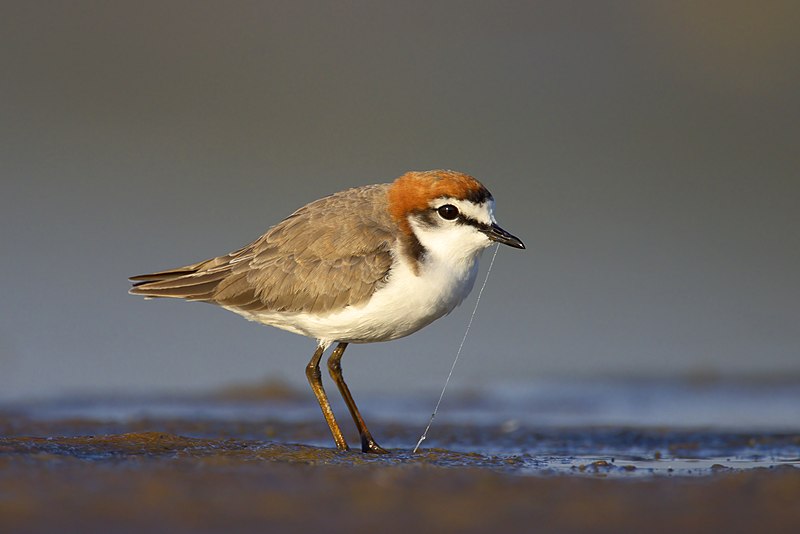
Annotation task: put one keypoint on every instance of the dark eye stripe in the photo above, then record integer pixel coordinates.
(472, 222)
(465, 219)
(430, 217)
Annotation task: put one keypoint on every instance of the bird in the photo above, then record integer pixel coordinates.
(367, 264)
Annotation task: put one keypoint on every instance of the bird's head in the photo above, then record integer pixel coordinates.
(445, 213)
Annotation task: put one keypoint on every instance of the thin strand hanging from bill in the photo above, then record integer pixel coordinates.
(458, 352)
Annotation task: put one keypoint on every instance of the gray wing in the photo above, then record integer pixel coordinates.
(329, 254)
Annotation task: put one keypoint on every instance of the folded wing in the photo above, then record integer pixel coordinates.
(329, 254)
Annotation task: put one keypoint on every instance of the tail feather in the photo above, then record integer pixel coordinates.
(140, 279)
(192, 283)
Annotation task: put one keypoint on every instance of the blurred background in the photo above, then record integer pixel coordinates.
(646, 152)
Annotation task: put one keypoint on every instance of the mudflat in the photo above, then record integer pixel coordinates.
(229, 474)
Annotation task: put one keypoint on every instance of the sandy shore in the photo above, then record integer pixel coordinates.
(164, 482)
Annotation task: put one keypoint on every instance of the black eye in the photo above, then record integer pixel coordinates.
(448, 212)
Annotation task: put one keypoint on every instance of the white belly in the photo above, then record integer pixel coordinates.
(405, 304)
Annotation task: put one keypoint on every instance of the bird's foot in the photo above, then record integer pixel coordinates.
(369, 445)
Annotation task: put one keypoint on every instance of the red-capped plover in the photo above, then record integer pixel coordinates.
(372, 263)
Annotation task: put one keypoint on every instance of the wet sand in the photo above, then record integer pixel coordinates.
(269, 475)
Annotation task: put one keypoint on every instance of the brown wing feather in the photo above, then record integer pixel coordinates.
(329, 254)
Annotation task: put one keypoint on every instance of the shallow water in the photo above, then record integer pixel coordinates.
(609, 429)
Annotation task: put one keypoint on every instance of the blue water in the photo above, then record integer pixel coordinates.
(732, 405)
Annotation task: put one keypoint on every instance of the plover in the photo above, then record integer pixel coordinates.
(372, 263)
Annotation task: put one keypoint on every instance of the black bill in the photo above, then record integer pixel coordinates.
(495, 233)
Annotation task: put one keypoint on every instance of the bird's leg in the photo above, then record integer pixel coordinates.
(315, 379)
(368, 443)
